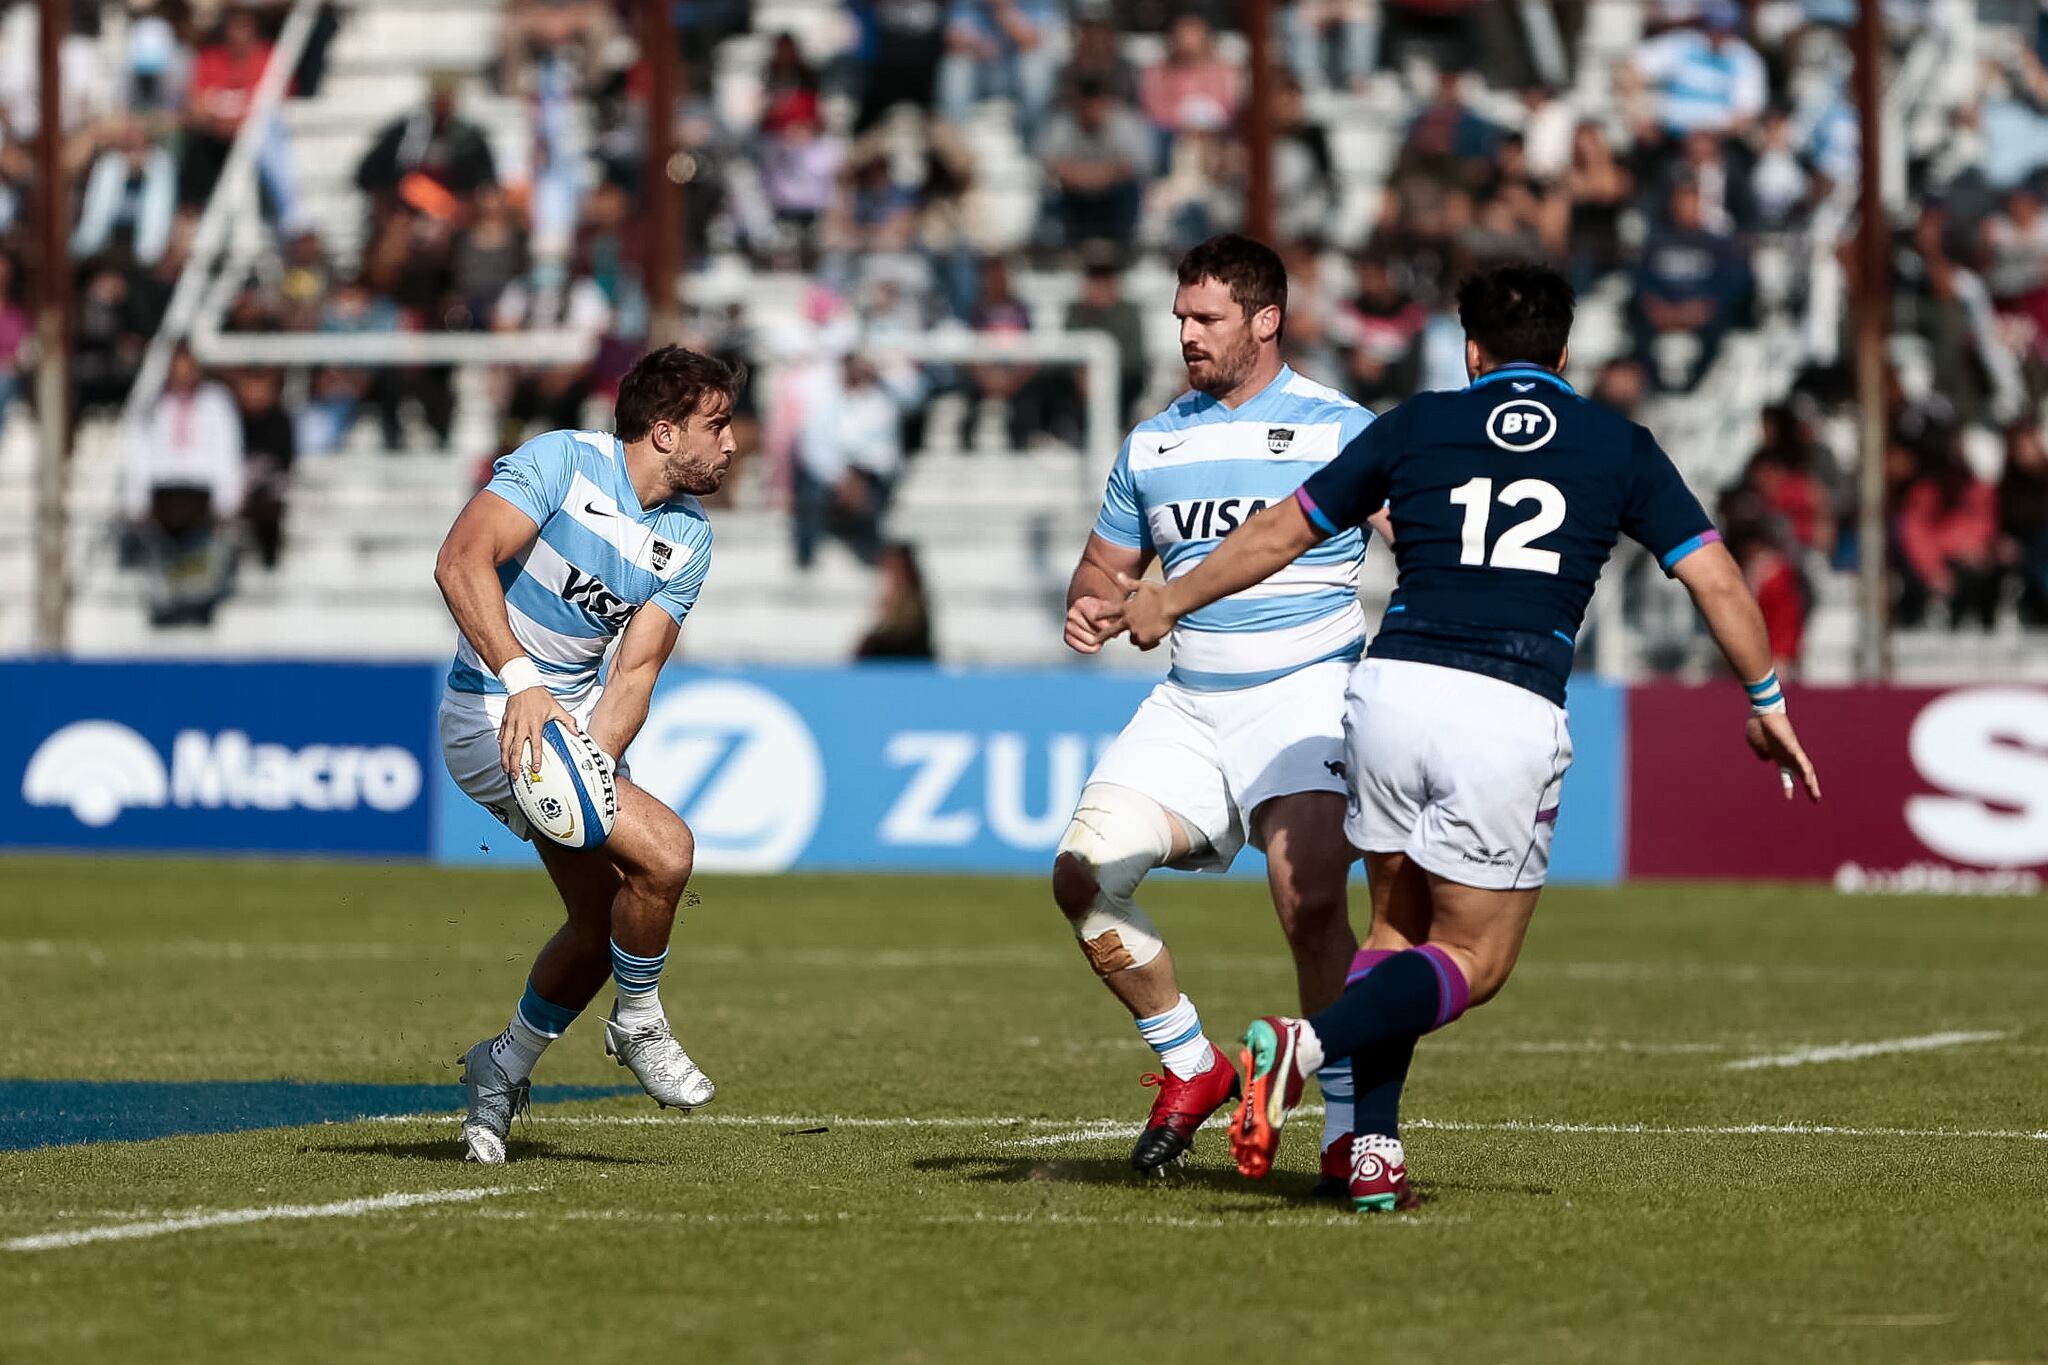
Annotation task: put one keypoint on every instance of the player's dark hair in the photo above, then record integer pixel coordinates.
(1518, 313)
(667, 384)
(1252, 271)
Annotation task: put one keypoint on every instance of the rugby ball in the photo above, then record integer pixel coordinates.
(571, 799)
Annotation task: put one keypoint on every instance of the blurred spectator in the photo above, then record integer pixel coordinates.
(898, 49)
(1309, 344)
(1779, 186)
(1691, 289)
(337, 394)
(17, 328)
(269, 444)
(1622, 385)
(1721, 178)
(224, 76)
(1331, 42)
(1379, 329)
(1193, 89)
(2023, 518)
(872, 214)
(1788, 474)
(1095, 155)
(83, 86)
(182, 489)
(537, 31)
(489, 255)
(2016, 271)
(1947, 531)
(1032, 401)
(130, 194)
(156, 61)
(1098, 57)
(1304, 178)
(1203, 191)
(1698, 79)
(799, 169)
(107, 337)
(848, 456)
(1447, 142)
(1002, 49)
(432, 159)
(903, 617)
(1773, 575)
(1600, 189)
(1102, 307)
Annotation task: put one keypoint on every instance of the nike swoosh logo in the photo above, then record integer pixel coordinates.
(595, 510)
(1175, 446)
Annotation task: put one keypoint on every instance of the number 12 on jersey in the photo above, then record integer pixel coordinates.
(1512, 550)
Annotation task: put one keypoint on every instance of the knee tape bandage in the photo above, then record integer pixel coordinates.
(1118, 836)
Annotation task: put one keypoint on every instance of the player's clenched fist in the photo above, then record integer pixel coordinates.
(1145, 613)
(1091, 623)
(519, 736)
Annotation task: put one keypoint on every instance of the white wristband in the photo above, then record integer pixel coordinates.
(519, 673)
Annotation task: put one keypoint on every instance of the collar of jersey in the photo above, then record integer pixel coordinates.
(1521, 370)
(1244, 409)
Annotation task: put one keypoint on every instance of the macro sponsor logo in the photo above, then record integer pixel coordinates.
(1521, 425)
(590, 593)
(742, 769)
(100, 768)
(1985, 750)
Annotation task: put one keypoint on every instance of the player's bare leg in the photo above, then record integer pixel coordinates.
(566, 976)
(1474, 939)
(1308, 861)
(1116, 837)
(654, 853)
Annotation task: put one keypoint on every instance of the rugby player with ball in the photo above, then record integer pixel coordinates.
(582, 538)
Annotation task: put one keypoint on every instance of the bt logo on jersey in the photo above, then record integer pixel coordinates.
(1521, 425)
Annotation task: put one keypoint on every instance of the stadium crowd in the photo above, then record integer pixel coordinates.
(1718, 144)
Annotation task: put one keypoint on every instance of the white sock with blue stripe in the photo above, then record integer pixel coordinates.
(1339, 1092)
(1177, 1037)
(639, 982)
(536, 1023)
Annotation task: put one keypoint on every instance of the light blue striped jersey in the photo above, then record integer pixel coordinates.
(1188, 477)
(598, 559)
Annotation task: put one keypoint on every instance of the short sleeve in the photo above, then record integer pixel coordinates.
(1661, 513)
(1350, 488)
(535, 477)
(679, 594)
(1121, 521)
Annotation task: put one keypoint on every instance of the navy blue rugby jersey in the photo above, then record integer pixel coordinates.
(1506, 497)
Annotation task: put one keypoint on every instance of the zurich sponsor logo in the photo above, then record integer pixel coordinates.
(99, 768)
(740, 766)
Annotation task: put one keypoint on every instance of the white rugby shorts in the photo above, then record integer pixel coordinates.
(1458, 770)
(469, 745)
(1212, 758)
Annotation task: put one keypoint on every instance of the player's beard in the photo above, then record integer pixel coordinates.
(1216, 375)
(697, 475)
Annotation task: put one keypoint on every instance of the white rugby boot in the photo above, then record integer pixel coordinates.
(658, 1061)
(495, 1099)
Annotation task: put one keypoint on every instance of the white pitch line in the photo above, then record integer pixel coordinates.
(346, 1208)
(1851, 1052)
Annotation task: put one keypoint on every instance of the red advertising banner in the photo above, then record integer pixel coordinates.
(1926, 788)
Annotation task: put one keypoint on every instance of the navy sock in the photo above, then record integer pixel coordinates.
(1404, 996)
(1379, 1070)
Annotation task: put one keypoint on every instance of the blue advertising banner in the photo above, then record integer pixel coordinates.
(225, 757)
(912, 768)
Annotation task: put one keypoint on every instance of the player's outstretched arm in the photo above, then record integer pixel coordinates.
(1725, 602)
(1251, 554)
(489, 532)
(645, 645)
(1093, 597)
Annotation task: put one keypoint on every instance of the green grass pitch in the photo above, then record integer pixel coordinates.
(925, 1105)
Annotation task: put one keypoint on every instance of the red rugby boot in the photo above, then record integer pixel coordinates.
(1179, 1111)
(1336, 1170)
(1379, 1175)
